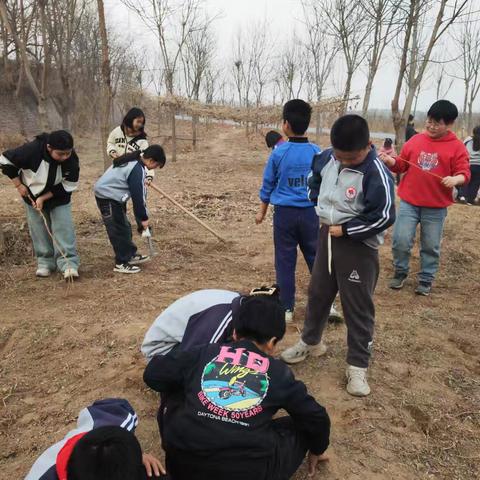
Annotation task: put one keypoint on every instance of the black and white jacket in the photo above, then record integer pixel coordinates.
(40, 173)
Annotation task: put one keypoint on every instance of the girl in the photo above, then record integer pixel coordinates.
(469, 193)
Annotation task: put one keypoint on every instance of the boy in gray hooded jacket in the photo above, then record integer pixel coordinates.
(354, 193)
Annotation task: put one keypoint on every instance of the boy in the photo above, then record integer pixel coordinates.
(424, 197)
(222, 426)
(284, 185)
(125, 179)
(45, 173)
(102, 447)
(201, 317)
(273, 139)
(355, 202)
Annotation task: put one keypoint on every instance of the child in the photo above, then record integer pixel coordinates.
(125, 179)
(355, 202)
(222, 424)
(388, 148)
(129, 137)
(273, 139)
(469, 193)
(424, 197)
(201, 317)
(284, 185)
(410, 130)
(102, 447)
(45, 173)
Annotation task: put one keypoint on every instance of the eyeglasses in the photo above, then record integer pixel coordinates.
(434, 124)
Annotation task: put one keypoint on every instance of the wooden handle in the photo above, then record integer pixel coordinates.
(203, 224)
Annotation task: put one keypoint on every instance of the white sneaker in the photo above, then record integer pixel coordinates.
(300, 351)
(138, 259)
(335, 316)
(43, 272)
(126, 268)
(288, 316)
(357, 381)
(70, 273)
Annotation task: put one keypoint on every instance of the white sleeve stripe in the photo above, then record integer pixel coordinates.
(222, 330)
(225, 319)
(386, 209)
(69, 186)
(126, 421)
(5, 161)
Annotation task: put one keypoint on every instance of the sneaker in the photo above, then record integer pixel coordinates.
(300, 351)
(335, 316)
(288, 316)
(477, 201)
(397, 282)
(423, 288)
(462, 199)
(70, 273)
(357, 384)
(138, 259)
(126, 268)
(43, 272)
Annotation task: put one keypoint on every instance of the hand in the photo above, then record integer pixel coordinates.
(145, 224)
(39, 203)
(148, 181)
(313, 461)
(22, 190)
(114, 155)
(387, 159)
(152, 465)
(335, 230)
(259, 217)
(451, 182)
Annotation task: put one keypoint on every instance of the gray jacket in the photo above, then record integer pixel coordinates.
(359, 198)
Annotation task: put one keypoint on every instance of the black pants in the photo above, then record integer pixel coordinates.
(119, 230)
(355, 269)
(470, 191)
(289, 452)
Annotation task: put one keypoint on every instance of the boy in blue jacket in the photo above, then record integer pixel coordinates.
(355, 200)
(126, 179)
(285, 187)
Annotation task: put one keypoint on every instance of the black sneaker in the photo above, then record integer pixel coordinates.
(126, 268)
(423, 288)
(397, 282)
(138, 259)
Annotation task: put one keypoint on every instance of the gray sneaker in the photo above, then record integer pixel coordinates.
(300, 351)
(398, 281)
(423, 288)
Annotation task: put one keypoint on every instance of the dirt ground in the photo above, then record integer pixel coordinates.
(62, 349)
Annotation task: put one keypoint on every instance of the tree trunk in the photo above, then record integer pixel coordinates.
(174, 134)
(106, 83)
(346, 94)
(318, 124)
(368, 93)
(194, 131)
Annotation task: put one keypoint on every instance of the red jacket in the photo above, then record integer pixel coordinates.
(446, 156)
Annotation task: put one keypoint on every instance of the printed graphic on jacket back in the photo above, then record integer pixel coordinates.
(234, 384)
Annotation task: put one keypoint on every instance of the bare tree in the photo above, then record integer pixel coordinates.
(293, 69)
(172, 25)
(384, 25)
(351, 28)
(467, 40)
(37, 88)
(414, 60)
(322, 50)
(106, 82)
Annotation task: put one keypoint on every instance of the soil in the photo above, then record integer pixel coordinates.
(63, 347)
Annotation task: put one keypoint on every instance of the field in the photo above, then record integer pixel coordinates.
(63, 348)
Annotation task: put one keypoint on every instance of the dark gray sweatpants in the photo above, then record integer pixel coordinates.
(354, 274)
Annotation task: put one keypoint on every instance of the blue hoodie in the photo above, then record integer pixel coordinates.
(286, 173)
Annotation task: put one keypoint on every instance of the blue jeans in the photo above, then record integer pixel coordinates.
(293, 227)
(60, 223)
(431, 222)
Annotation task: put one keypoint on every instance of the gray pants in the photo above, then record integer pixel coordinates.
(60, 222)
(354, 274)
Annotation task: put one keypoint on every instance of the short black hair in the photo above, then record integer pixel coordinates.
(272, 138)
(60, 140)
(388, 142)
(443, 110)
(350, 133)
(106, 453)
(260, 318)
(410, 118)
(156, 153)
(298, 114)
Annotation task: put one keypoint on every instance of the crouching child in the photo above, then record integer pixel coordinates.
(126, 179)
(102, 447)
(222, 425)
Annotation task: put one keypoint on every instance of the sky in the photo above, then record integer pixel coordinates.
(282, 16)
